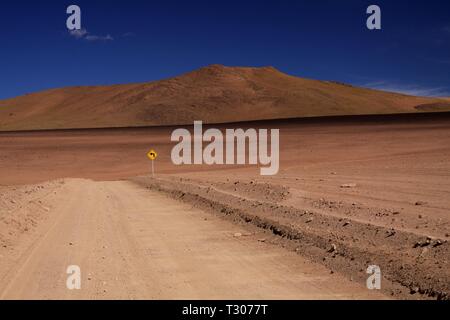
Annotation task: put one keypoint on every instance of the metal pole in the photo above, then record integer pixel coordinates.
(153, 168)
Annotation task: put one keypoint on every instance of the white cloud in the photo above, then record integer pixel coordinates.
(84, 34)
(409, 89)
(99, 38)
(128, 34)
(78, 33)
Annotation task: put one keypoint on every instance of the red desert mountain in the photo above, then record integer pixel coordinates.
(214, 94)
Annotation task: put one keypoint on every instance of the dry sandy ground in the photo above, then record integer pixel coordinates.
(134, 244)
(395, 215)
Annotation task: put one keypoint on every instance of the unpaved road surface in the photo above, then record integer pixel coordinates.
(395, 215)
(132, 243)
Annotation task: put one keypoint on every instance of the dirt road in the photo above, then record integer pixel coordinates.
(131, 243)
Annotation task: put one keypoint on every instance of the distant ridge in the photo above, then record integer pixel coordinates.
(214, 94)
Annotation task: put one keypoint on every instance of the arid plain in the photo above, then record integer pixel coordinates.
(352, 191)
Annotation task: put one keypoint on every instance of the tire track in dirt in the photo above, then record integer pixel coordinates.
(131, 243)
(344, 245)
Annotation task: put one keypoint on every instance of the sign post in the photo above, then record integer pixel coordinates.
(152, 155)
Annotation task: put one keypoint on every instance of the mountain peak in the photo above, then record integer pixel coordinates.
(219, 69)
(214, 94)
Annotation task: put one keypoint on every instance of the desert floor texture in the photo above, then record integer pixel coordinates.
(351, 192)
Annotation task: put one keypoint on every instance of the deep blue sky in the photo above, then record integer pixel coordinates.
(152, 40)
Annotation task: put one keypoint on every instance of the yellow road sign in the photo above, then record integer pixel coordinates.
(152, 155)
